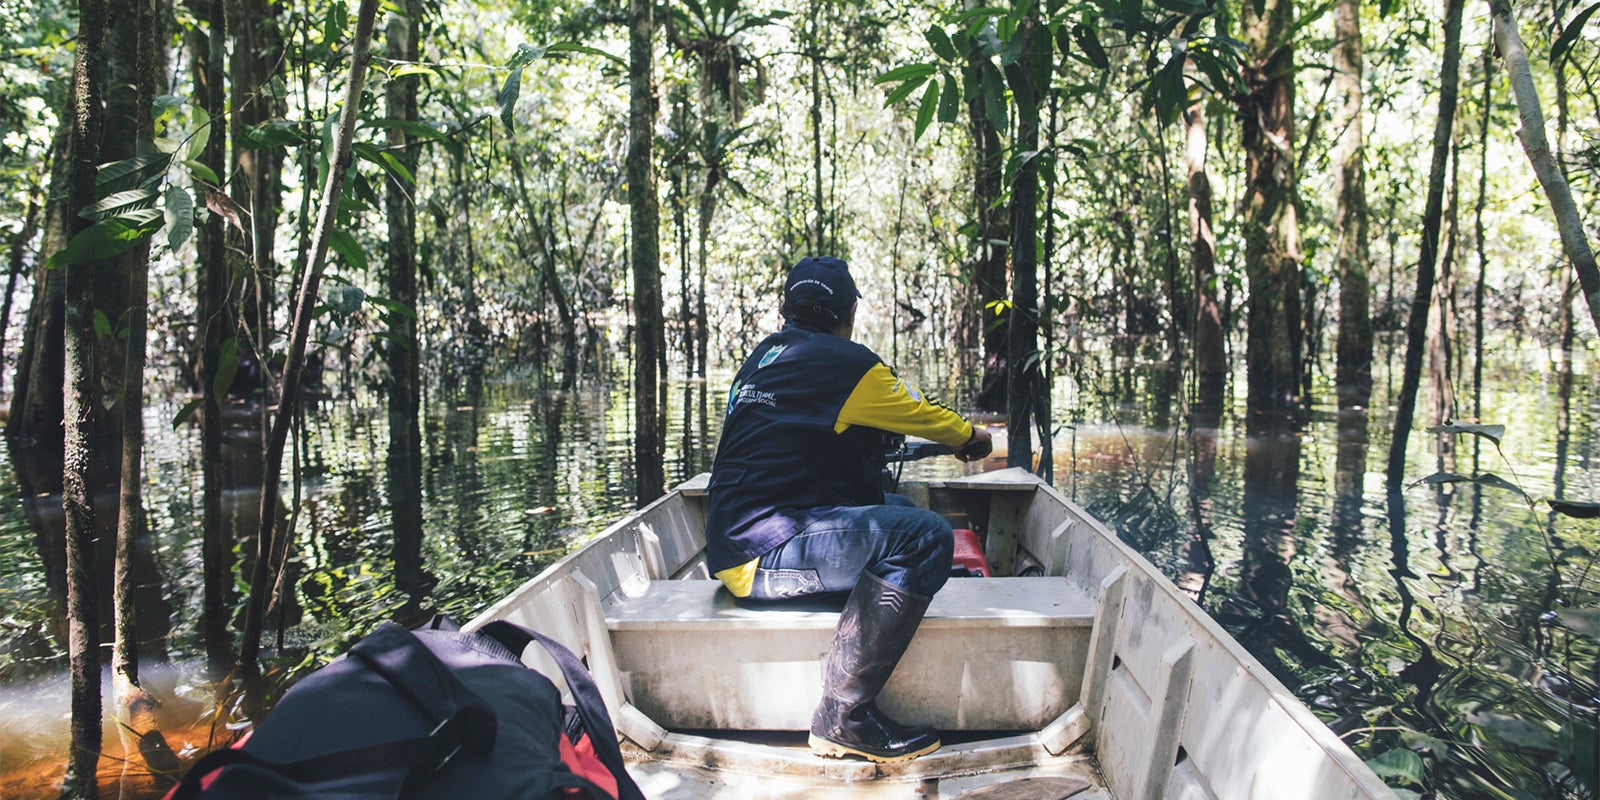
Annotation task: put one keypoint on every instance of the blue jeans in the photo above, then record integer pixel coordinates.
(908, 547)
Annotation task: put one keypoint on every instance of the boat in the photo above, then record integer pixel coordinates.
(1075, 669)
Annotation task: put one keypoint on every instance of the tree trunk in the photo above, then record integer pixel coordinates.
(1534, 143)
(256, 65)
(264, 575)
(212, 321)
(1023, 351)
(134, 704)
(677, 168)
(1046, 376)
(1274, 338)
(1478, 233)
(18, 257)
(814, 45)
(1353, 359)
(649, 428)
(988, 251)
(1210, 356)
(83, 613)
(401, 351)
(1442, 317)
(1417, 321)
(35, 391)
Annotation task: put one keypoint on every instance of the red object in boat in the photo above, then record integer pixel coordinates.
(969, 554)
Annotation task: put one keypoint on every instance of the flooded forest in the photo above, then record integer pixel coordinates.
(319, 314)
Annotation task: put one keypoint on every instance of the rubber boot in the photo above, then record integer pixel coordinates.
(874, 629)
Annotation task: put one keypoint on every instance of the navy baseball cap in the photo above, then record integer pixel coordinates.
(819, 289)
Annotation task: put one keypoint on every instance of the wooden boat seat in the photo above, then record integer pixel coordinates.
(991, 654)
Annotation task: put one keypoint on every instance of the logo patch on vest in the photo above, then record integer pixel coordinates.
(772, 355)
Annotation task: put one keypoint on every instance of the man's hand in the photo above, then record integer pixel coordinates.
(976, 447)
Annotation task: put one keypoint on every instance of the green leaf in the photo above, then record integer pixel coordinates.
(526, 54)
(1493, 433)
(994, 98)
(393, 307)
(1570, 33)
(178, 216)
(903, 91)
(187, 411)
(949, 101)
(421, 130)
(117, 203)
(1423, 744)
(107, 238)
(398, 168)
(341, 242)
(1486, 479)
(1585, 620)
(925, 112)
(402, 70)
(507, 96)
(109, 175)
(1400, 764)
(1012, 49)
(940, 42)
(102, 326)
(333, 24)
(1133, 16)
(345, 300)
(227, 368)
(1089, 42)
(906, 73)
(274, 133)
(1568, 508)
(988, 39)
(1491, 479)
(163, 106)
(202, 133)
(574, 47)
(202, 172)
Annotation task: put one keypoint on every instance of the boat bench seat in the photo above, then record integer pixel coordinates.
(992, 654)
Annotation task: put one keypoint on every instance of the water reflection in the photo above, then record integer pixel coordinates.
(1420, 612)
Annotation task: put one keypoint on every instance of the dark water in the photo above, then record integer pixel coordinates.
(1429, 631)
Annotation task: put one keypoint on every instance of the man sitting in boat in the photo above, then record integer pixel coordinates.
(798, 507)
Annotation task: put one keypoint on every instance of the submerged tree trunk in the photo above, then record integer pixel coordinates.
(1417, 321)
(1023, 350)
(988, 249)
(1210, 356)
(1534, 142)
(83, 613)
(206, 53)
(135, 705)
(1353, 360)
(1478, 234)
(17, 258)
(263, 576)
(402, 350)
(1274, 336)
(649, 423)
(35, 391)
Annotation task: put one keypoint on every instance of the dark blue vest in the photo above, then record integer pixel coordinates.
(779, 458)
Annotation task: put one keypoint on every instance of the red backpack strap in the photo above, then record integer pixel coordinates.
(585, 695)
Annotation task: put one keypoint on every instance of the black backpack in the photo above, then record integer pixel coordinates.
(435, 713)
